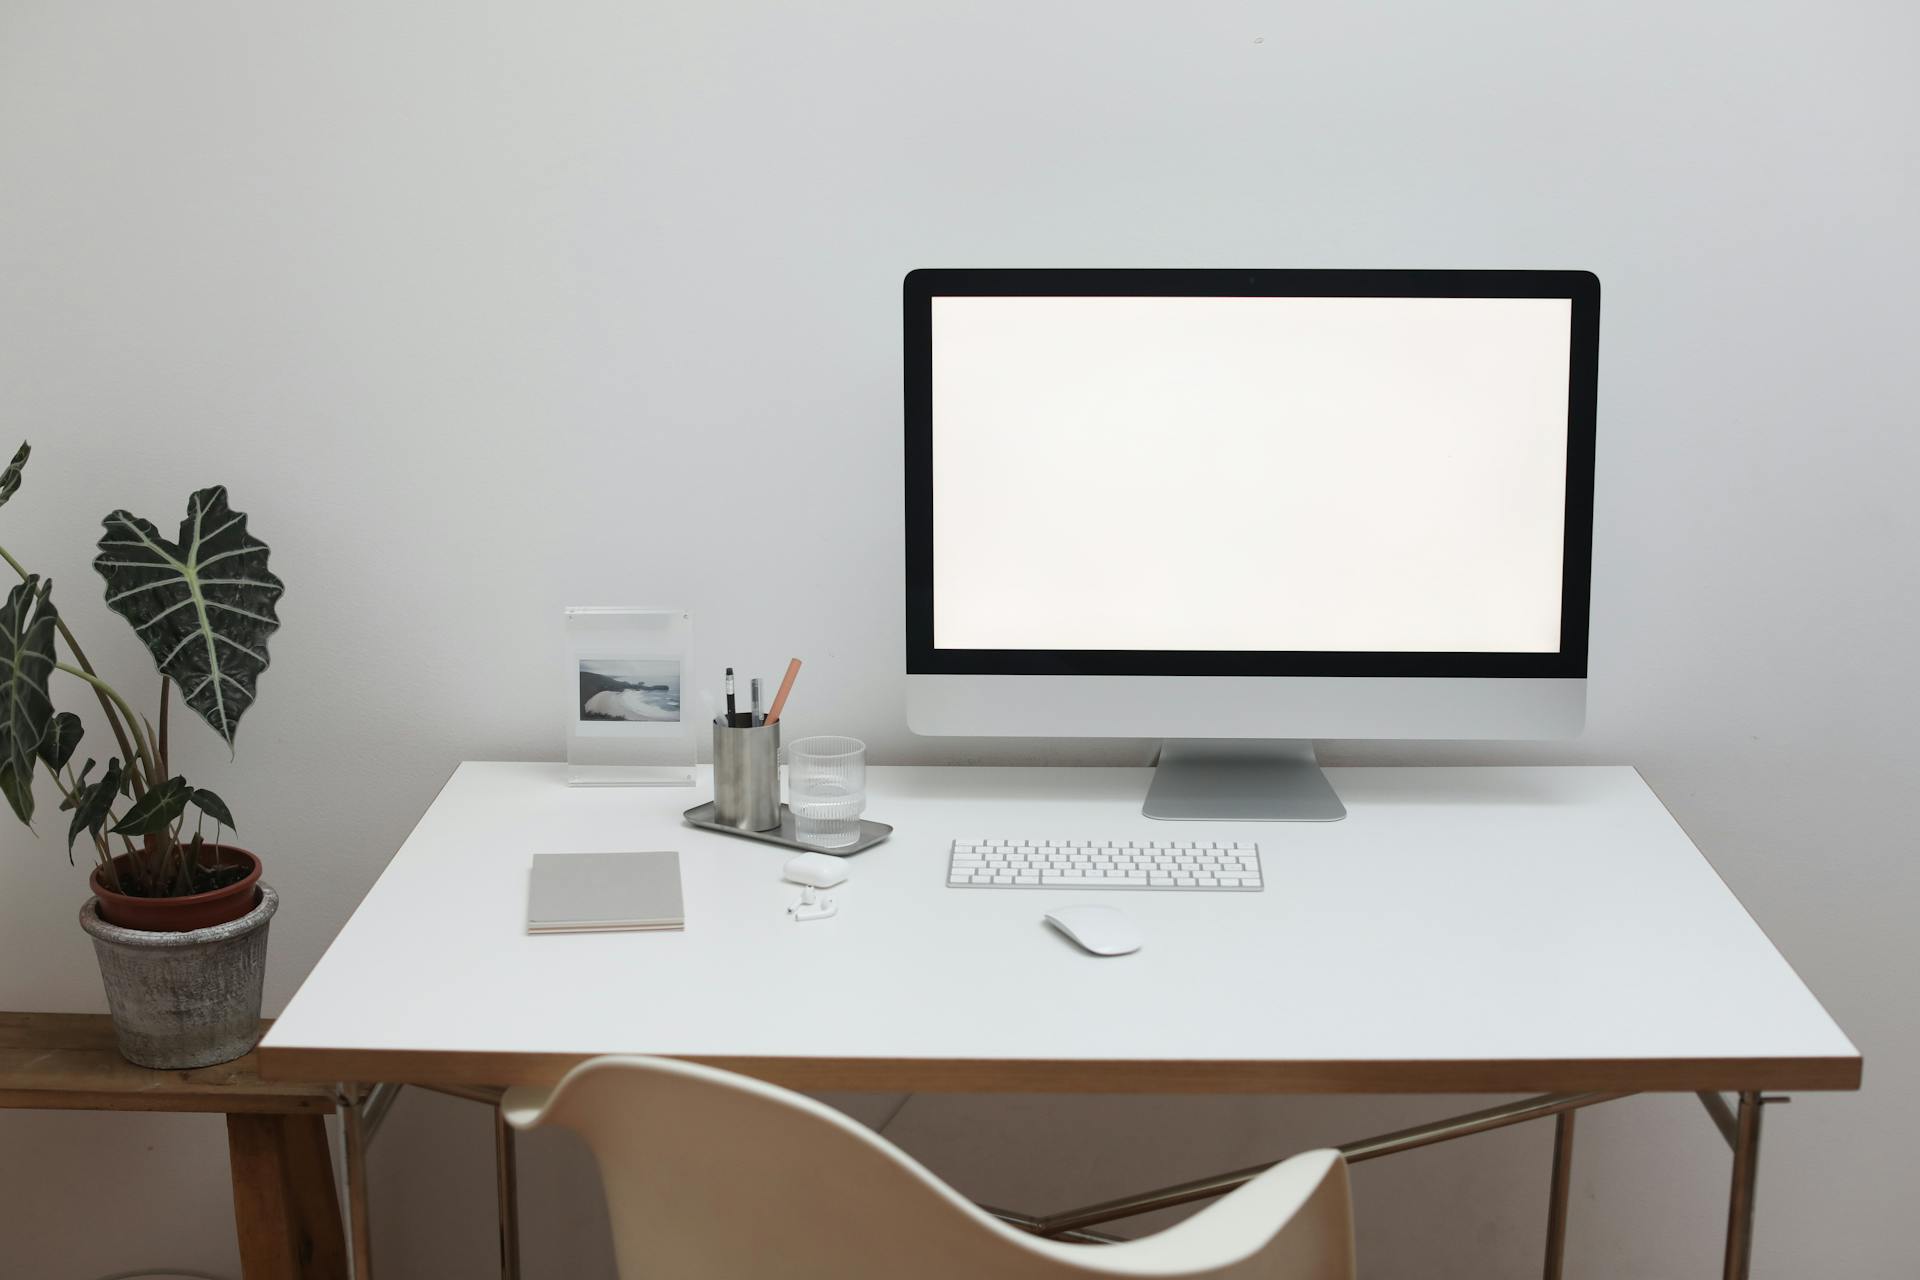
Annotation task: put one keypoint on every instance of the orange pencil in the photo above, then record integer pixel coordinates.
(786, 687)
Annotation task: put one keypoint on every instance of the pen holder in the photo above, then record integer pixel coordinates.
(746, 777)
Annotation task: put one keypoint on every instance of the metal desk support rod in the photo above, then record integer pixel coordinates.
(353, 1100)
(1029, 1223)
(507, 1186)
(362, 1109)
(1368, 1149)
(1745, 1140)
(1722, 1116)
(1557, 1195)
(374, 1107)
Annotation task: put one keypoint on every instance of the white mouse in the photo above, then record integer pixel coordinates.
(1104, 931)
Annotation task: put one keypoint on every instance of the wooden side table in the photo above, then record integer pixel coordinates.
(285, 1207)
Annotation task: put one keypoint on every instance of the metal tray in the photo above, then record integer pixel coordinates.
(871, 833)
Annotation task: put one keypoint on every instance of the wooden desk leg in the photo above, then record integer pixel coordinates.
(284, 1207)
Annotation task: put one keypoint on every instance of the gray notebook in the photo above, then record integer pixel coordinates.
(586, 892)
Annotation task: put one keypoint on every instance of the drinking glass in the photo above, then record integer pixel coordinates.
(827, 789)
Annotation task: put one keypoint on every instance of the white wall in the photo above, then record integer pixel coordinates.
(482, 309)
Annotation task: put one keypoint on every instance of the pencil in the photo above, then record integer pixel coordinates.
(786, 687)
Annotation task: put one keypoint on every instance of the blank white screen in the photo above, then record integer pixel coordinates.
(1322, 474)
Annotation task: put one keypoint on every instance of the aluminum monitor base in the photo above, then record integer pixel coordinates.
(1240, 780)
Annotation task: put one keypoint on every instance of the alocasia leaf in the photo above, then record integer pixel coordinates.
(80, 784)
(203, 605)
(63, 735)
(156, 810)
(10, 478)
(214, 807)
(26, 712)
(95, 800)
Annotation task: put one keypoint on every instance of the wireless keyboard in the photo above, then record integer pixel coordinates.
(1104, 864)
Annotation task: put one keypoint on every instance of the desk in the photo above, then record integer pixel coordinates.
(1464, 930)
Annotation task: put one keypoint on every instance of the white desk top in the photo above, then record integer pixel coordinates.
(1463, 930)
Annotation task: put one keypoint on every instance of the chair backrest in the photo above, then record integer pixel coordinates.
(714, 1176)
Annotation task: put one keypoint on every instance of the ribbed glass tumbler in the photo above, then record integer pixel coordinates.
(827, 789)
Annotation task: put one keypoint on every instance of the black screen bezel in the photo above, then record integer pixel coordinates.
(1581, 288)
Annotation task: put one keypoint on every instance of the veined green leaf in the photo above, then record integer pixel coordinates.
(26, 712)
(214, 807)
(10, 478)
(155, 811)
(63, 735)
(96, 800)
(17, 787)
(79, 785)
(204, 605)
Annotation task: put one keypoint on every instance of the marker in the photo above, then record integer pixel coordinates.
(730, 697)
(755, 704)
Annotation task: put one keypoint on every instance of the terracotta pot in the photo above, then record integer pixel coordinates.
(180, 915)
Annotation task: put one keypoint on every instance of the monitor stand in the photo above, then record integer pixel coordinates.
(1240, 780)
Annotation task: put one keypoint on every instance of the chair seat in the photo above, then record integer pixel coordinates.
(714, 1176)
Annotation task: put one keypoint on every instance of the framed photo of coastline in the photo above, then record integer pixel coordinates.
(625, 722)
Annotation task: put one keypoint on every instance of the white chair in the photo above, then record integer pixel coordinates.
(713, 1176)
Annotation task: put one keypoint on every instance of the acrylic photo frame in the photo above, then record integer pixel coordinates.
(626, 672)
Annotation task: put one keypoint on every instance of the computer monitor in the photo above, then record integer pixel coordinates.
(1241, 510)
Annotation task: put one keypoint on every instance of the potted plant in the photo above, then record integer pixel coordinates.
(179, 916)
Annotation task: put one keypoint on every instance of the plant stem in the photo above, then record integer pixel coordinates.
(79, 656)
(166, 700)
(107, 691)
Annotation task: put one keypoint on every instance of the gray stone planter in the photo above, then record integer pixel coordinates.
(182, 1000)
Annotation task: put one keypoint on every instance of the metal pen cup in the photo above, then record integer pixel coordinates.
(746, 776)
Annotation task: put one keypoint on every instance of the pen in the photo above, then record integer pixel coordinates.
(755, 704)
(729, 695)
